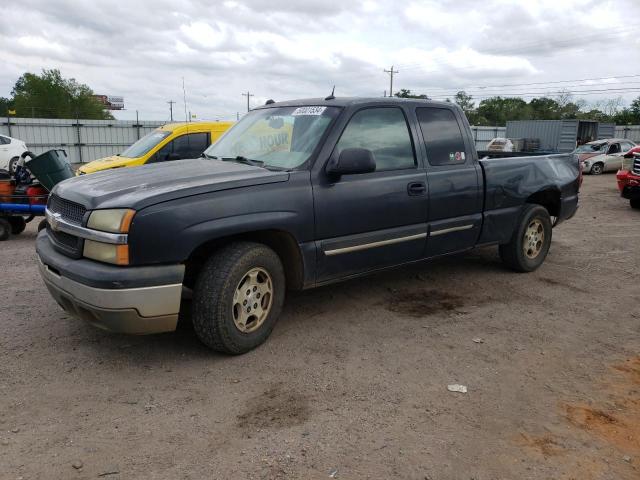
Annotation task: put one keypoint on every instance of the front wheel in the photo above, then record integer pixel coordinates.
(238, 297)
(597, 169)
(5, 229)
(635, 203)
(18, 224)
(530, 241)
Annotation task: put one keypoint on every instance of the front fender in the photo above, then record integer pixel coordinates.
(169, 232)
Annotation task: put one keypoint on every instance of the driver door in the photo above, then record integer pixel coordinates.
(372, 220)
(613, 158)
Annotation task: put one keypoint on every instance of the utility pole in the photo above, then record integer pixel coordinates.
(391, 72)
(248, 95)
(171, 102)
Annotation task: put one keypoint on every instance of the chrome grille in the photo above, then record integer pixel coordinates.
(636, 166)
(70, 211)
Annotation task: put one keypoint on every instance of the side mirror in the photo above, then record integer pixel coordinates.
(352, 161)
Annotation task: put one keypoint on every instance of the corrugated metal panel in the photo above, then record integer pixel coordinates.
(83, 140)
(568, 137)
(547, 131)
(483, 135)
(632, 132)
(606, 130)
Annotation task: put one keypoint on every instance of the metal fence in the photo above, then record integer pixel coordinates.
(483, 135)
(83, 140)
(87, 140)
(632, 132)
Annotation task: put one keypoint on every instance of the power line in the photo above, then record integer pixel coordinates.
(542, 94)
(544, 83)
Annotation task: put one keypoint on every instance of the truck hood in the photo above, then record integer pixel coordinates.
(104, 163)
(147, 185)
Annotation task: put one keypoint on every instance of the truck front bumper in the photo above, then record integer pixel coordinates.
(134, 300)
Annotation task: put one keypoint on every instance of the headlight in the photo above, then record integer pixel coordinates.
(116, 220)
(113, 221)
(106, 252)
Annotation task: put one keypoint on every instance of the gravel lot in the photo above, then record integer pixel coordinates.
(353, 382)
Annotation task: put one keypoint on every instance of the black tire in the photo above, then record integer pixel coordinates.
(42, 225)
(12, 165)
(597, 168)
(5, 229)
(213, 309)
(17, 225)
(513, 253)
(635, 203)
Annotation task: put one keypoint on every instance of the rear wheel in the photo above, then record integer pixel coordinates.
(635, 203)
(18, 225)
(5, 229)
(597, 168)
(12, 165)
(530, 242)
(238, 297)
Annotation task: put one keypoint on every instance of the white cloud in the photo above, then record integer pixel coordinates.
(284, 49)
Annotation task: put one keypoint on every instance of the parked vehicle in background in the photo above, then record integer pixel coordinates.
(603, 155)
(174, 141)
(296, 195)
(10, 151)
(628, 177)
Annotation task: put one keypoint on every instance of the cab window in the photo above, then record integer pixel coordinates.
(442, 136)
(190, 145)
(384, 131)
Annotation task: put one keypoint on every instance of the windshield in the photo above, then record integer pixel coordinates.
(281, 137)
(590, 147)
(145, 144)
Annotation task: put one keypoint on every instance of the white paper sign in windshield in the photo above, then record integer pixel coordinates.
(308, 111)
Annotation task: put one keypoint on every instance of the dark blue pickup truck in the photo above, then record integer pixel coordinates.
(296, 195)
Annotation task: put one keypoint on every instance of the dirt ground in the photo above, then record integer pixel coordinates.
(353, 382)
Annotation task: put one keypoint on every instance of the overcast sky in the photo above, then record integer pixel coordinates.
(284, 49)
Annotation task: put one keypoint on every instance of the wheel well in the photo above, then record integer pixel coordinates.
(283, 243)
(549, 199)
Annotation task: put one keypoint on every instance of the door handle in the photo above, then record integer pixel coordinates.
(416, 188)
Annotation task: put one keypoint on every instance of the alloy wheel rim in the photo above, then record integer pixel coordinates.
(533, 239)
(252, 300)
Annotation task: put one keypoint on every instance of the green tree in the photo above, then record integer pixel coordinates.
(404, 93)
(544, 109)
(465, 102)
(499, 110)
(5, 105)
(49, 95)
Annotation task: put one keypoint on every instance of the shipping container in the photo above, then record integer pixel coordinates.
(560, 136)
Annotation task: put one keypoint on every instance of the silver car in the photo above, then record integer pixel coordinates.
(603, 155)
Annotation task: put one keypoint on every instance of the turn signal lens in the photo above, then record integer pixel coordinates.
(106, 252)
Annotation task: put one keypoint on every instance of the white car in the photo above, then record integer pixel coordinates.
(603, 155)
(10, 151)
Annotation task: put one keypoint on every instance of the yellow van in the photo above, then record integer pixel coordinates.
(173, 141)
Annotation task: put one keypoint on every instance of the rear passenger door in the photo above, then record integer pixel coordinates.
(454, 179)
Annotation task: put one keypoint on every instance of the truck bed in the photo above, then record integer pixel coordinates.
(513, 180)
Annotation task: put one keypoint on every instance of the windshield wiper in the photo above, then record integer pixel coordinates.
(245, 160)
(208, 157)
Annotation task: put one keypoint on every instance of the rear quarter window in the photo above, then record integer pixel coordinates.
(442, 136)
